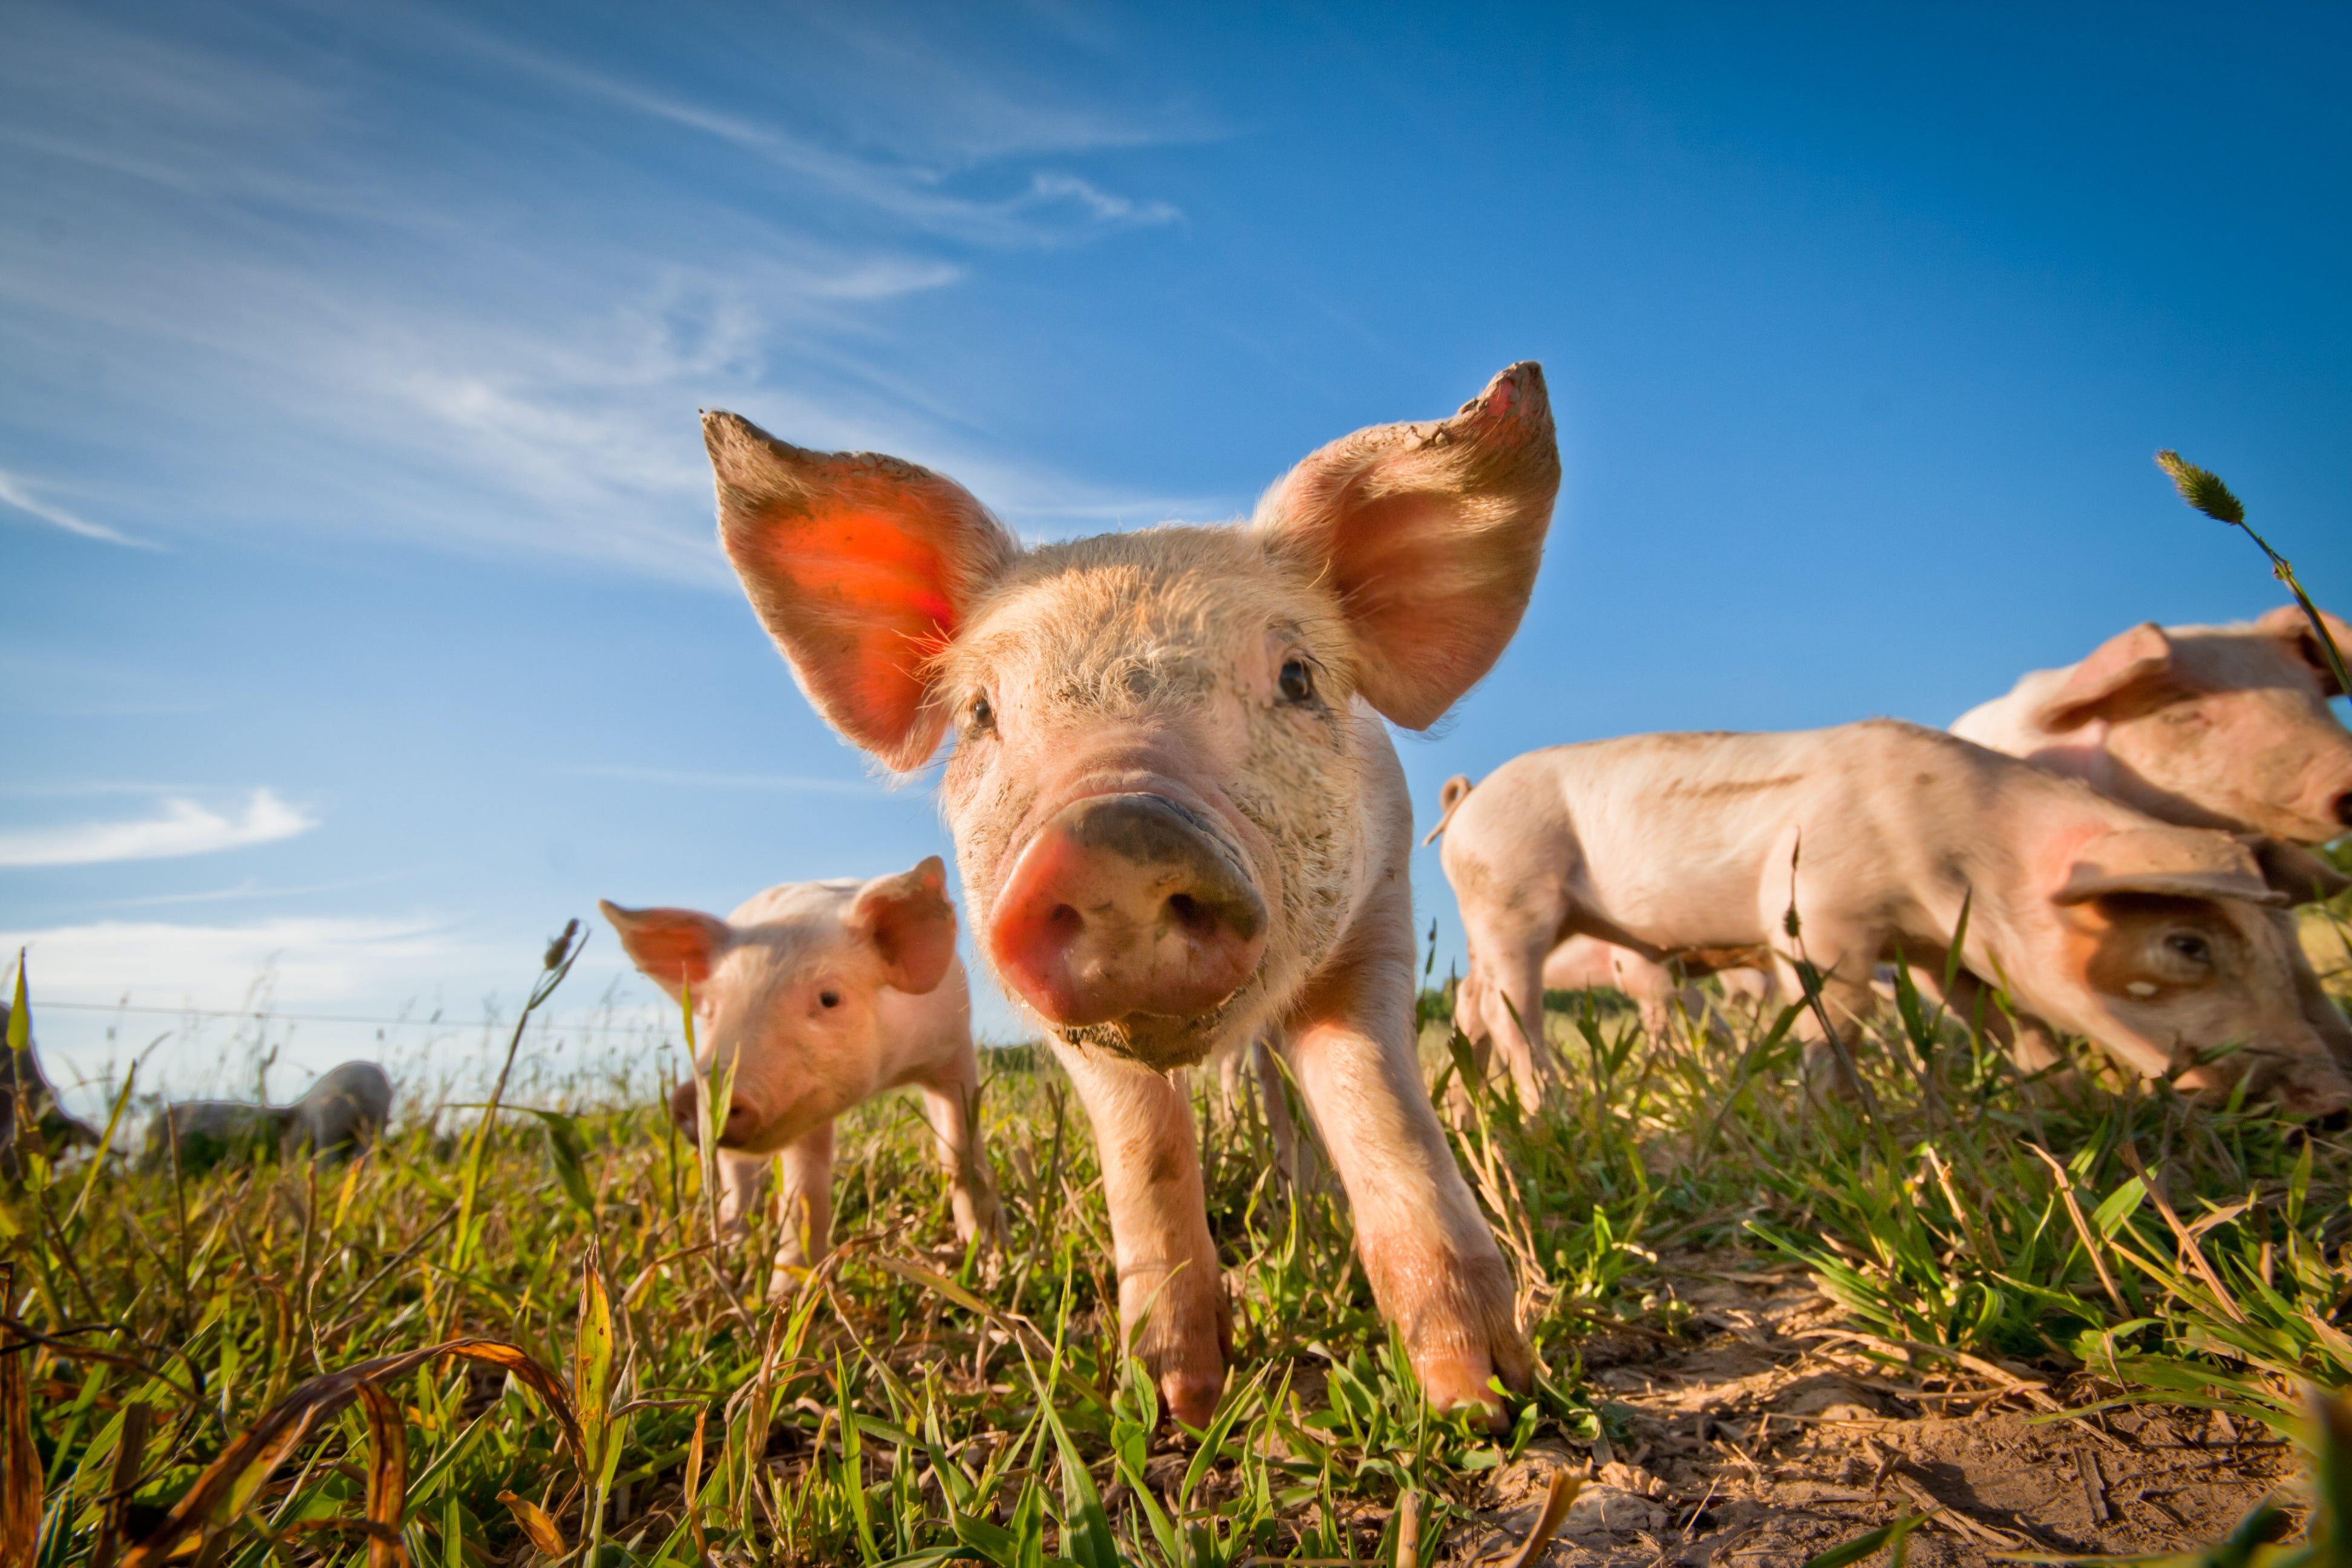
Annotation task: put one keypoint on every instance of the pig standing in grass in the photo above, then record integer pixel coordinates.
(818, 996)
(2225, 727)
(2157, 942)
(1178, 816)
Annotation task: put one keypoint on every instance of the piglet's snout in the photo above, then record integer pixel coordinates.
(741, 1119)
(1121, 904)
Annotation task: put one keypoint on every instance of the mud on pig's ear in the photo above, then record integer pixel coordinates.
(671, 946)
(911, 924)
(1432, 534)
(862, 568)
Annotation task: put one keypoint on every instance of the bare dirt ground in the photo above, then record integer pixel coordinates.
(1772, 1438)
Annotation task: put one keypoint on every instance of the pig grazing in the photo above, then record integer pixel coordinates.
(2154, 941)
(2224, 726)
(820, 995)
(340, 1115)
(1179, 819)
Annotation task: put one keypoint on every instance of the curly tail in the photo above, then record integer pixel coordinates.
(1456, 791)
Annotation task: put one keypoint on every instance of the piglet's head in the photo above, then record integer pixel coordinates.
(2223, 726)
(2173, 948)
(787, 989)
(1160, 737)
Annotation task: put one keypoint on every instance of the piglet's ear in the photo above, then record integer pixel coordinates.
(2291, 625)
(911, 924)
(671, 946)
(2179, 862)
(2128, 669)
(1432, 534)
(861, 567)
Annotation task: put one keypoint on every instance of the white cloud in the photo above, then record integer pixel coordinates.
(184, 828)
(309, 960)
(17, 495)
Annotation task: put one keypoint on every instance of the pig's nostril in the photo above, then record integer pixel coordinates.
(2344, 809)
(1189, 912)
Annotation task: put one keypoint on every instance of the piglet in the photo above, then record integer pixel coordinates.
(1178, 816)
(2156, 941)
(2223, 727)
(818, 996)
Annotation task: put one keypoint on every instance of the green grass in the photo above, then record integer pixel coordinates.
(905, 1402)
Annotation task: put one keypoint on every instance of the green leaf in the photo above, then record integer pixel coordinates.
(1085, 1528)
(852, 1465)
(20, 1016)
(591, 1368)
(1861, 1546)
(567, 1151)
(2118, 1206)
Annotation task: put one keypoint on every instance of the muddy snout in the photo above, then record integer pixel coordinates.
(1122, 905)
(740, 1118)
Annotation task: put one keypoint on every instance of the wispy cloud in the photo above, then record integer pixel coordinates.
(183, 828)
(333, 252)
(916, 192)
(17, 495)
(254, 888)
(783, 783)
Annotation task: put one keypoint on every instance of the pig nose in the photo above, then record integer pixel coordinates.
(1122, 904)
(739, 1116)
(2344, 809)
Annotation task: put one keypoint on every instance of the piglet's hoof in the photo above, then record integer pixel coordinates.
(1184, 1338)
(1460, 1383)
(1467, 1339)
(1191, 1395)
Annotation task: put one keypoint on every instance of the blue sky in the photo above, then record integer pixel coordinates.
(366, 620)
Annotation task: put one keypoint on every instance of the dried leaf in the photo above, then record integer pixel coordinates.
(248, 1461)
(20, 1463)
(545, 1539)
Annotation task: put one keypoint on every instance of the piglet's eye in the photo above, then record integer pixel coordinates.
(2195, 948)
(982, 712)
(1298, 682)
(829, 998)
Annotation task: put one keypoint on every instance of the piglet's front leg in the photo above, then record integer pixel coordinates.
(1431, 1259)
(803, 1206)
(1171, 1300)
(951, 1105)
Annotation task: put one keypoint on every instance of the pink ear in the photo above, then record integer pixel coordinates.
(671, 946)
(910, 922)
(861, 567)
(2289, 623)
(2129, 666)
(1432, 534)
(2177, 862)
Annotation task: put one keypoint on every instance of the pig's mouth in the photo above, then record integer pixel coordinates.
(1157, 1041)
(1129, 925)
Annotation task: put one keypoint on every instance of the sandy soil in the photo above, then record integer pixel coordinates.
(1764, 1439)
